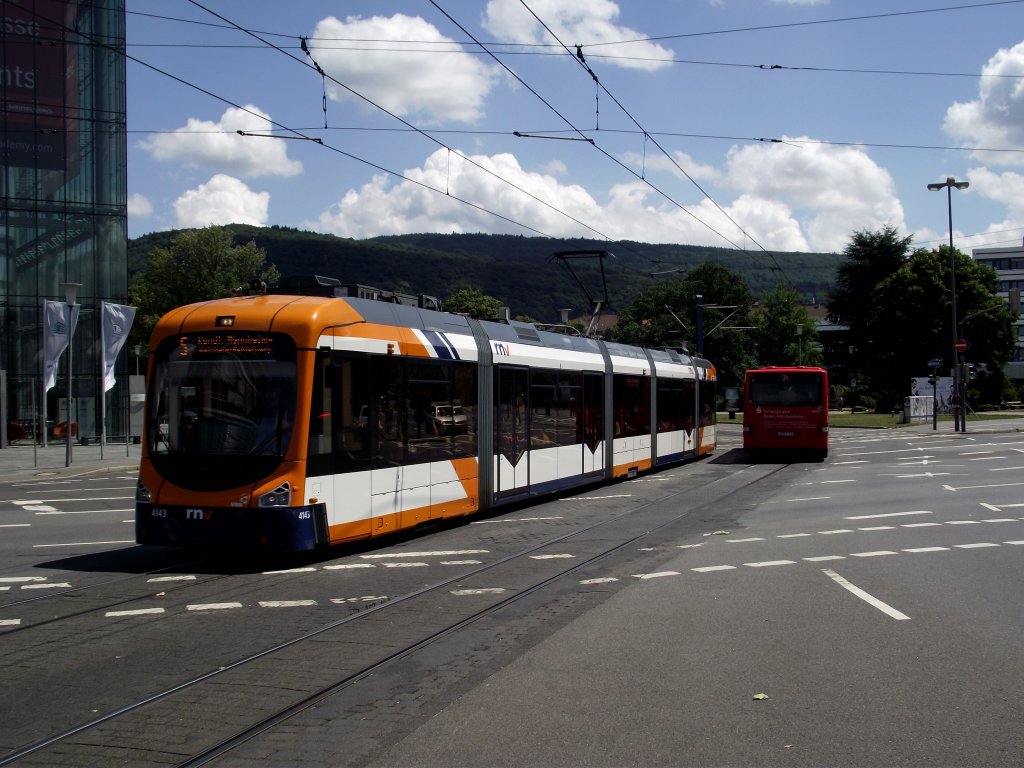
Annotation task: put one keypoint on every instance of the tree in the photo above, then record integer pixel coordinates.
(199, 265)
(918, 324)
(786, 334)
(470, 301)
(665, 315)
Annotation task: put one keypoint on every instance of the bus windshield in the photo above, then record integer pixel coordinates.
(785, 388)
(221, 407)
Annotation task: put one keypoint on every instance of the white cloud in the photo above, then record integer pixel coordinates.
(834, 191)
(218, 146)
(995, 119)
(382, 208)
(679, 163)
(221, 200)
(404, 64)
(787, 198)
(592, 24)
(139, 205)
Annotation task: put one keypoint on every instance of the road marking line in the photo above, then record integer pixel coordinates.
(285, 603)
(16, 525)
(81, 544)
(462, 562)
(346, 566)
(878, 528)
(136, 612)
(710, 568)
(21, 579)
(972, 487)
(212, 606)
(865, 596)
(658, 575)
(838, 530)
(769, 563)
(156, 579)
(1000, 520)
(974, 546)
(605, 580)
(878, 553)
(363, 599)
(435, 553)
(919, 525)
(562, 556)
(927, 549)
(406, 565)
(1015, 543)
(51, 585)
(307, 569)
(888, 514)
(488, 591)
(793, 535)
(961, 522)
(44, 511)
(823, 558)
(741, 541)
(9, 622)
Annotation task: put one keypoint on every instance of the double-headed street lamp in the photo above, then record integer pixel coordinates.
(958, 419)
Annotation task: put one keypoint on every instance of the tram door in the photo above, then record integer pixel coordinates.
(512, 432)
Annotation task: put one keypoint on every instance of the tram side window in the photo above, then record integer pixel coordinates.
(593, 410)
(464, 396)
(554, 418)
(338, 436)
(707, 403)
(631, 398)
(672, 405)
(510, 421)
(390, 412)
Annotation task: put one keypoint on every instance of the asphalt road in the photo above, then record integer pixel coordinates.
(862, 611)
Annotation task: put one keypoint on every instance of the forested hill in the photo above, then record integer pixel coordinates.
(518, 270)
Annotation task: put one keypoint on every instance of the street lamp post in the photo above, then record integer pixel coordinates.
(960, 407)
(70, 294)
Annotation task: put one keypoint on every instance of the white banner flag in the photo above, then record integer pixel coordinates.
(117, 322)
(55, 338)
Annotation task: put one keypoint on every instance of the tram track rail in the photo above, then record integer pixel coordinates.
(318, 673)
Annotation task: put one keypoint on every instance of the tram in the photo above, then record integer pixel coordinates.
(294, 420)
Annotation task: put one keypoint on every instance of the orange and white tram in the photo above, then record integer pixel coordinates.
(291, 422)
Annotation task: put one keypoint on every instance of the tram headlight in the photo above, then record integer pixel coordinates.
(279, 497)
(142, 493)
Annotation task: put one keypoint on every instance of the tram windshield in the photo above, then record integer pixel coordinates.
(221, 407)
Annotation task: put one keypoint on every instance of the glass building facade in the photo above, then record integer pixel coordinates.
(64, 203)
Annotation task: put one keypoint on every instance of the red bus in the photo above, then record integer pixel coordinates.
(787, 408)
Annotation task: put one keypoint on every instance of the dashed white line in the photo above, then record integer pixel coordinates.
(742, 541)
(348, 566)
(135, 612)
(878, 528)
(603, 580)
(865, 596)
(658, 575)
(158, 579)
(888, 514)
(286, 603)
(916, 550)
(48, 585)
(308, 569)
(837, 530)
(82, 544)
(561, 556)
(770, 563)
(10, 622)
(712, 568)
(878, 553)
(824, 558)
(980, 545)
(212, 606)
(486, 591)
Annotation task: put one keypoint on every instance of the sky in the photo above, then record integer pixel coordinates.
(767, 125)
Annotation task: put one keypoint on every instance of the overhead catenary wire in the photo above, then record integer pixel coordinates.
(580, 59)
